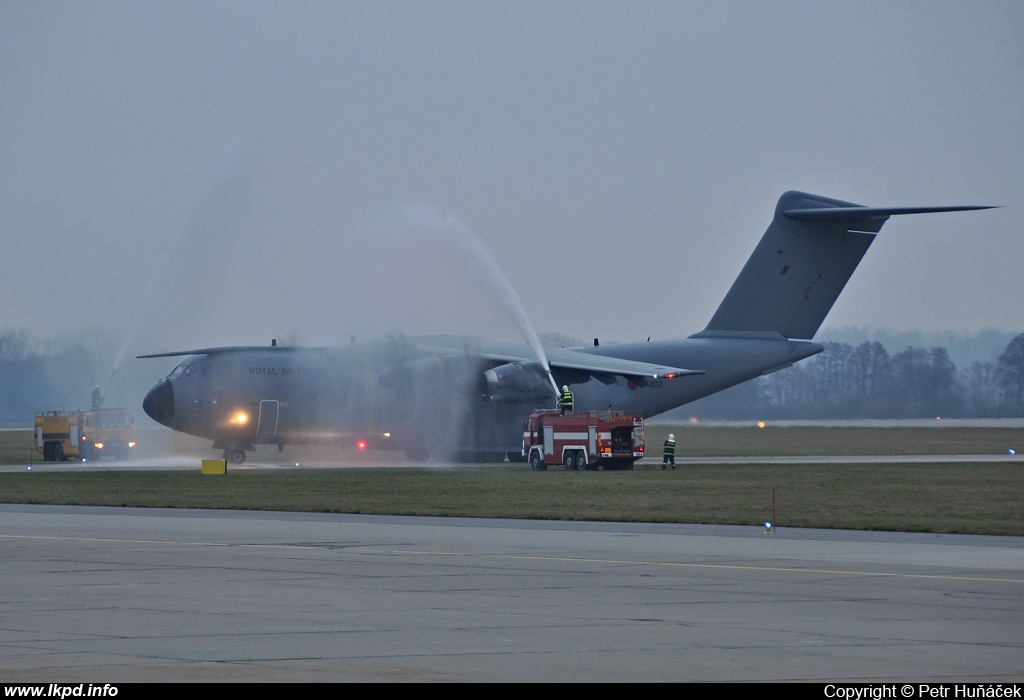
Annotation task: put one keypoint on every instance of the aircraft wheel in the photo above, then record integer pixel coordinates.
(536, 463)
(581, 461)
(234, 456)
(58, 453)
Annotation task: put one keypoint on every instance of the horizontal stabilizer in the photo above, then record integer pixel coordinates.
(860, 213)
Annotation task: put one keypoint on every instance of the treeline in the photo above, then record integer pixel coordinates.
(865, 381)
(38, 376)
(844, 381)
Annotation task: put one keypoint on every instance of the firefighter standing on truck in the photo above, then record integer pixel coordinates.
(565, 403)
(669, 455)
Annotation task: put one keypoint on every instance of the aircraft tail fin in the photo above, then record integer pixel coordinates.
(802, 263)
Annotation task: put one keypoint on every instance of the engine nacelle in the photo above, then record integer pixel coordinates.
(518, 382)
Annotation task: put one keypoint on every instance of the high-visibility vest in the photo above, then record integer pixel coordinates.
(670, 448)
(566, 401)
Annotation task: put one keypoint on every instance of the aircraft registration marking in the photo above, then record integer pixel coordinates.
(649, 384)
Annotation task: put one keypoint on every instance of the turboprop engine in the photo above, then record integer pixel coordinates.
(518, 382)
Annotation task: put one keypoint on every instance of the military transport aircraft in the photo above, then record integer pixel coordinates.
(465, 399)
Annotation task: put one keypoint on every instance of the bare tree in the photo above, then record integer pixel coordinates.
(980, 388)
(1010, 374)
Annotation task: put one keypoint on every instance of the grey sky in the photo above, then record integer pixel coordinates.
(224, 170)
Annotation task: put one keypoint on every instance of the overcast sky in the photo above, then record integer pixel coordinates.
(220, 172)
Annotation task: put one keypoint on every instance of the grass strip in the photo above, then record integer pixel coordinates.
(948, 498)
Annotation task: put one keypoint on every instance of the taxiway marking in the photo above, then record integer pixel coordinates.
(523, 557)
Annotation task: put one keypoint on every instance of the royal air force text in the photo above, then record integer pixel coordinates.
(279, 371)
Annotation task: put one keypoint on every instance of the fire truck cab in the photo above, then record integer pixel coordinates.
(583, 440)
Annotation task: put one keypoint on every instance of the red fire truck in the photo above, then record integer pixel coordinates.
(583, 439)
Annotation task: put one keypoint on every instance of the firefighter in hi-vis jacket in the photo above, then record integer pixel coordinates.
(669, 455)
(565, 403)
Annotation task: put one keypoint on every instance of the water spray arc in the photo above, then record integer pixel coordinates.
(453, 234)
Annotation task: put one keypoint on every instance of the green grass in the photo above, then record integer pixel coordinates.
(962, 498)
(957, 498)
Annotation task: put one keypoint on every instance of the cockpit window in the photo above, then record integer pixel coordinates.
(190, 366)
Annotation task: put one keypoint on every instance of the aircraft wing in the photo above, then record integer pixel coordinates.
(498, 352)
(600, 364)
(561, 358)
(218, 351)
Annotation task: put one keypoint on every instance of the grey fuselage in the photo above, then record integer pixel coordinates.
(415, 398)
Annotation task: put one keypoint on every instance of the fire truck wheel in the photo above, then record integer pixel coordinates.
(569, 461)
(581, 461)
(58, 453)
(536, 463)
(48, 452)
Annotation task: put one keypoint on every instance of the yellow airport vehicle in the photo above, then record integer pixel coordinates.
(86, 435)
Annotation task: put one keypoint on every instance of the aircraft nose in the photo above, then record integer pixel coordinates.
(159, 403)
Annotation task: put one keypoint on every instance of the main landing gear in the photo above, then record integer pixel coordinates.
(235, 456)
